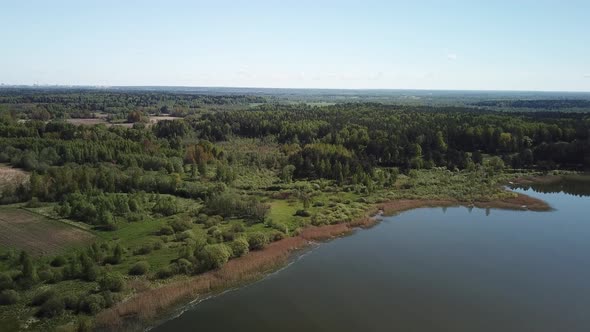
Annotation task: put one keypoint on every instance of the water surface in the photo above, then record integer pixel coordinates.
(431, 269)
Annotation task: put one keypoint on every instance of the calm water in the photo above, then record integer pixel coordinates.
(430, 269)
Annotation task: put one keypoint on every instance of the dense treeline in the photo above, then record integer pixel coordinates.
(407, 137)
(547, 104)
(80, 103)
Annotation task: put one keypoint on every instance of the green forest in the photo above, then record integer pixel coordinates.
(169, 185)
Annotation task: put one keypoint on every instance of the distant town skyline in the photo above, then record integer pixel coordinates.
(427, 45)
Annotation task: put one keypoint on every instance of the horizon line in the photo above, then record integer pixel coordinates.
(106, 87)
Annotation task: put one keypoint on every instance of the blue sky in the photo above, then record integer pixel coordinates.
(490, 45)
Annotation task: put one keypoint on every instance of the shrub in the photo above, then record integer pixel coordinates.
(58, 261)
(158, 245)
(143, 250)
(180, 225)
(113, 282)
(108, 299)
(239, 247)
(257, 241)
(166, 230)
(57, 276)
(214, 256)
(165, 272)
(166, 206)
(6, 282)
(276, 236)
(279, 226)
(117, 256)
(238, 228)
(51, 308)
(45, 275)
(9, 296)
(213, 221)
(302, 213)
(42, 297)
(201, 218)
(92, 304)
(184, 236)
(84, 325)
(71, 302)
(34, 203)
(183, 265)
(228, 235)
(139, 268)
(215, 235)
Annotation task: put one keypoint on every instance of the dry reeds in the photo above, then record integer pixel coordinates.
(150, 304)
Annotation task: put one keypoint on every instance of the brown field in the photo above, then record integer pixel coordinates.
(155, 119)
(87, 121)
(37, 235)
(11, 176)
(102, 120)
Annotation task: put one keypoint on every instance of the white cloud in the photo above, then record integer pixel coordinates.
(452, 56)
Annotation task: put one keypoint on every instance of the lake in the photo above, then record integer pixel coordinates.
(430, 269)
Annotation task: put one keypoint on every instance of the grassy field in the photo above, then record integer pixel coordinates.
(24, 230)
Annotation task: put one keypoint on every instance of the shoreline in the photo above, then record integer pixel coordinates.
(151, 306)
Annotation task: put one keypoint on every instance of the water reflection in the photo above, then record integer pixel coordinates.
(576, 185)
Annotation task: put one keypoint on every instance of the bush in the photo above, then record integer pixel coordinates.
(58, 261)
(213, 221)
(166, 206)
(276, 236)
(201, 218)
(34, 203)
(183, 265)
(71, 302)
(166, 230)
(45, 275)
(238, 228)
(165, 272)
(6, 282)
(57, 276)
(214, 256)
(9, 296)
(239, 247)
(279, 226)
(228, 235)
(113, 282)
(257, 241)
(144, 250)
(42, 297)
(180, 225)
(302, 213)
(92, 304)
(108, 299)
(183, 236)
(139, 268)
(51, 308)
(84, 325)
